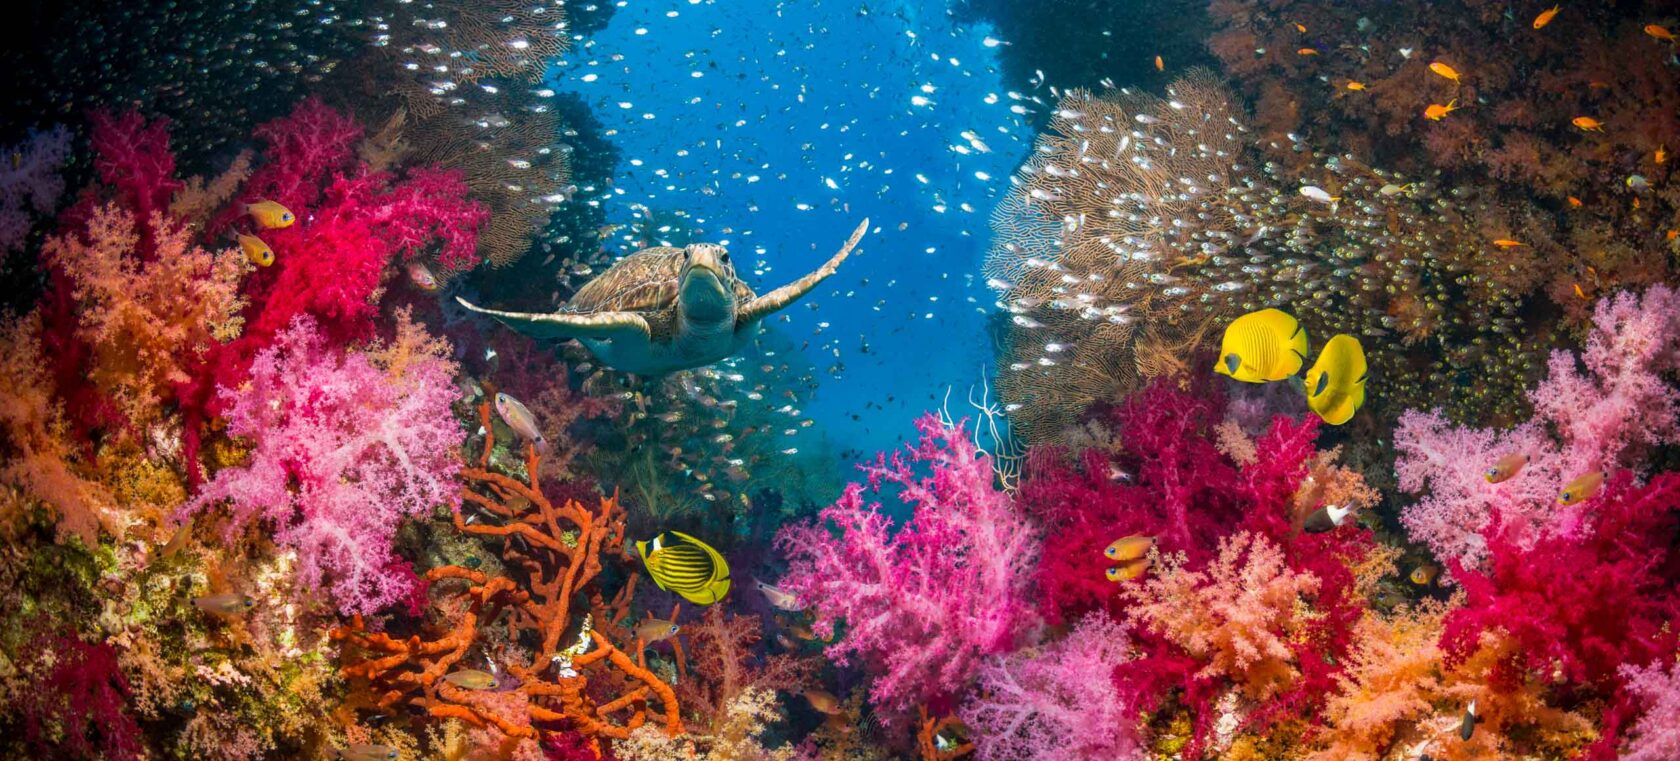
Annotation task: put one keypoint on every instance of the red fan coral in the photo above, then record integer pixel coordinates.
(554, 553)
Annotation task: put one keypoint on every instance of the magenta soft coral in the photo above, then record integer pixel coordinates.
(1170, 482)
(1579, 609)
(343, 451)
(923, 604)
(78, 707)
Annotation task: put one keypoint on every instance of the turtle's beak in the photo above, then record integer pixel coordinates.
(706, 260)
(705, 282)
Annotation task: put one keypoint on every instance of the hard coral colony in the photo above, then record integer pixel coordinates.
(1335, 357)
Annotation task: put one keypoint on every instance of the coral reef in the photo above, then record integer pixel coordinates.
(1140, 224)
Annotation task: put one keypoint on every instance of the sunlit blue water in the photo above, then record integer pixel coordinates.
(770, 104)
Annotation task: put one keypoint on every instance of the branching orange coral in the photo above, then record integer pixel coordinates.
(147, 319)
(1236, 616)
(927, 738)
(552, 553)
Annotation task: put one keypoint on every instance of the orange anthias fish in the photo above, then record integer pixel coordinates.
(1588, 123)
(1306, 51)
(1661, 154)
(1355, 86)
(1436, 112)
(1582, 488)
(1507, 466)
(1160, 65)
(1659, 32)
(1575, 202)
(1545, 17)
(1508, 243)
(1445, 71)
(1301, 28)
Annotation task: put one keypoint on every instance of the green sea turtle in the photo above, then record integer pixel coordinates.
(665, 309)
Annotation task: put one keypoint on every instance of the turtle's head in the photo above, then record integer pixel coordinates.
(706, 285)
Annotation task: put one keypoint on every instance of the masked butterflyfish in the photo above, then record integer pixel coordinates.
(1336, 382)
(1268, 345)
(685, 565)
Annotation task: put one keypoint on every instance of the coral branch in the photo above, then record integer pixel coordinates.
(552, 551)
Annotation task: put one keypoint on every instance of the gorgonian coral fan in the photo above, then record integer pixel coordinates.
(344, 447)
(924, 603)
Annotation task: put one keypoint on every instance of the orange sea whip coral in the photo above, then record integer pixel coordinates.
(558, 553)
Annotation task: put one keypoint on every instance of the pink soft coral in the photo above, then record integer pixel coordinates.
(1605, 418)
(924, 604)
(1656, 736)
(1058, 701)
(343, 451)
(1236, 616)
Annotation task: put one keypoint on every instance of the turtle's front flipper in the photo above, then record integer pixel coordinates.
(603, 325)
(765, 305)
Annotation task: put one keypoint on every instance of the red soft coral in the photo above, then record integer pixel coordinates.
(1170, 482)
(79, 705)
(1579, 608)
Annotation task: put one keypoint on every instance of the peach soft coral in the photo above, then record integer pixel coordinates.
(552, 552)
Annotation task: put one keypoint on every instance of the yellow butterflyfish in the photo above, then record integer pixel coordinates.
(687, 566)
(1336, 382)
(1263, 346)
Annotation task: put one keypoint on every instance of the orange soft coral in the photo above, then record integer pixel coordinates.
(553, 552)
(147, 320)
(36, 458)
(1236, 616)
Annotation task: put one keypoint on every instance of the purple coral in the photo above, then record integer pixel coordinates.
(30, 182)
(924, 604)
(1058, 701)
(343, 450)
(1604, 418)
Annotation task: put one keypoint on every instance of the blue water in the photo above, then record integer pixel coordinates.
(768, 105)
